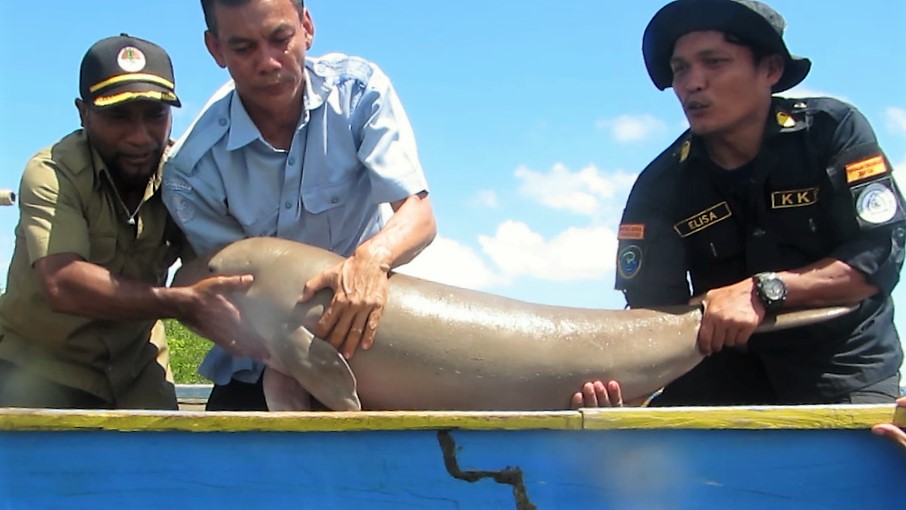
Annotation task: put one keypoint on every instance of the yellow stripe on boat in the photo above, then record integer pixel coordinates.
(741, 418)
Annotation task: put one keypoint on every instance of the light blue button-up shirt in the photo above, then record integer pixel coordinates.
(353, 150)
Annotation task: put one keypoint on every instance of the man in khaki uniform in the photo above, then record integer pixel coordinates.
(79, 322)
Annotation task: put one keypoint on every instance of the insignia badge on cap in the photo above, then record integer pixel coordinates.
(629, 262)
(876, 204)
(131, 59)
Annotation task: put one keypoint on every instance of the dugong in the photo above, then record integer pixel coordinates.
(440, 347)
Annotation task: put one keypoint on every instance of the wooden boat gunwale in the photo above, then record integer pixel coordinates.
(814, 417)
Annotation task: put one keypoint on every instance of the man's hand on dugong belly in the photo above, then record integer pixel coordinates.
(598, 394)
(360, 287)
(209, 311)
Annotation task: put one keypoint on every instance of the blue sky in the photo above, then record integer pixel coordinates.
(532, 117)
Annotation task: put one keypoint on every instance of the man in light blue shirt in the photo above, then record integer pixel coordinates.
(305, 149)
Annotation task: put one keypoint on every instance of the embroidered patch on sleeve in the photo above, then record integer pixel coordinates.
(876, 204)
(794, 198)
(184, 210)
(865, 168)
(629, 262)
(632, 231)
(703, 220)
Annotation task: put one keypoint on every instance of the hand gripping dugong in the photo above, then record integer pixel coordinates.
(442, 347)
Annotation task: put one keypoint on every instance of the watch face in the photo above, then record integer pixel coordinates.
(773, 288)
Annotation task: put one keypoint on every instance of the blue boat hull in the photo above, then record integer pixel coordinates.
(603, 459)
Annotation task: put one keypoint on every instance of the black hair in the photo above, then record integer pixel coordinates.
(207, 6)
(759, 52)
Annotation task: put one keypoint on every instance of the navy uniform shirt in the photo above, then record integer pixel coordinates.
(820, 187)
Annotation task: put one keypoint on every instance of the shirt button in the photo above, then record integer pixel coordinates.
(109, 369)
(223, 122)
(334, 200)
(292, 161)
(758, 232)
(288, 204)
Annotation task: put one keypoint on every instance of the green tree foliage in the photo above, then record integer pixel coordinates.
(186, 352)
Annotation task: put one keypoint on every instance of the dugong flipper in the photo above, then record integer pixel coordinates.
(317, 366)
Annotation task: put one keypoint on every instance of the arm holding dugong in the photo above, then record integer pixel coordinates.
(360, 282)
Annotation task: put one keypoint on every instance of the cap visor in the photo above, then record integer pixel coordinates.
(135, 91)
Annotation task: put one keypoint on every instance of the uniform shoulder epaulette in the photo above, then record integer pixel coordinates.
(669, 160)
(206, 130)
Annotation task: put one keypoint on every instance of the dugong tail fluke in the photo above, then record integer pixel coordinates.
(442, 347)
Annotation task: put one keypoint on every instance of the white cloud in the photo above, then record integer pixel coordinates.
(452, 263)
(800, 91)
(486, 198)
(574, 254)
(633, 128)
(582, 192)
(896, 119)
(899, 172)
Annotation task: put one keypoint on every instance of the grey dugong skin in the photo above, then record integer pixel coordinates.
(440, 347)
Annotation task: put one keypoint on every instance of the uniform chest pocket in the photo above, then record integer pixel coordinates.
(333, 195)
(327, 206)
(102, 249)
(800, 230)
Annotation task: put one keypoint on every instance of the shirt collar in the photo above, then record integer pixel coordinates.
(782, 119)
(243, 131)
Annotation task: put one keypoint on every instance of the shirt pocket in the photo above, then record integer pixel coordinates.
(715, 246)
(326, 208)
(800, 231)
(102, 249)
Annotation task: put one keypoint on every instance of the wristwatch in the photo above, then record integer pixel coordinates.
(770, 289)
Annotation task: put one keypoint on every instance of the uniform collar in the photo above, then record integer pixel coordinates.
(243, 131)
(786, 116)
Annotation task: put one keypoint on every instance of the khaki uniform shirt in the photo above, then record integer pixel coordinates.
(68, 204)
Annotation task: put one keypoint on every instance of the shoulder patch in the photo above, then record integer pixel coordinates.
(183, 210)
(876, 203)
(629, 262)
(632, 231)
(865, 168)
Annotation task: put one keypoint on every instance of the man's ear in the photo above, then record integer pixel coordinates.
(309, 27)
(775, 66)
(213, 45)
(82, 107)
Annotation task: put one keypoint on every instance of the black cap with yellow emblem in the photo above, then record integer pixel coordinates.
(124, 68)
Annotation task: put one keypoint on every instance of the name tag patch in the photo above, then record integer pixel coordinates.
(703, 220)
(794, 198)
(865, 168)
(632, 231)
